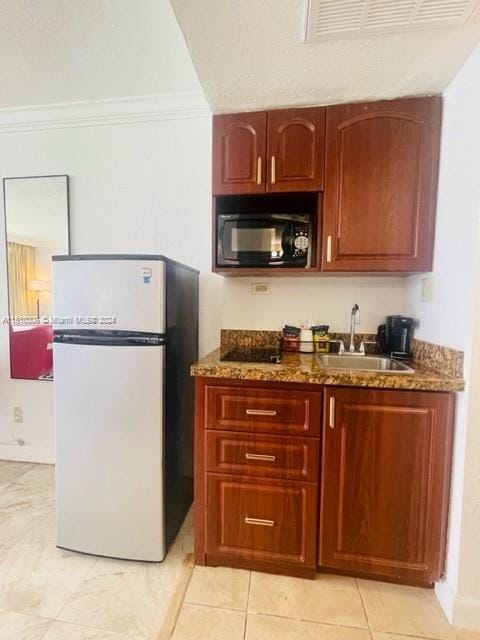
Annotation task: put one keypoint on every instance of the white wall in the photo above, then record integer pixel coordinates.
(466, 611)
(449, 318)
(133, 188)
(328, 299)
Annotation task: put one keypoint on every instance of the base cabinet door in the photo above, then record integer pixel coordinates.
(385, 483)
(263, 521)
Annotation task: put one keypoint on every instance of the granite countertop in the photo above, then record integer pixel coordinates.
(304, 368)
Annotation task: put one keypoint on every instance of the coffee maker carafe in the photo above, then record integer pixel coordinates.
(394, 336)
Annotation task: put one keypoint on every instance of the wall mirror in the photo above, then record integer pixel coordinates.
(36, 228)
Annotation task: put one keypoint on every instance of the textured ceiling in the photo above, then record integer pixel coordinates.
(250, 54)
(71, 50)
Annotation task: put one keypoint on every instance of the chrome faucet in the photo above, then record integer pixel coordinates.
(354, 319)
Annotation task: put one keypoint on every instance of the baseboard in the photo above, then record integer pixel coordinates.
(461, 611)
(27, 454)
(446, 597)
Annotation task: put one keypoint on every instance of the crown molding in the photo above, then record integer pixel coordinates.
(166, 106)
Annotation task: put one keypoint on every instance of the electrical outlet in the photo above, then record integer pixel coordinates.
(260, 289)
(427, 289)
(17, 414)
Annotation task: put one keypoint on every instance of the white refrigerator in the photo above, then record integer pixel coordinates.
(125, 335)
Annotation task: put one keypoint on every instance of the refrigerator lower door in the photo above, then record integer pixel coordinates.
(109, 450)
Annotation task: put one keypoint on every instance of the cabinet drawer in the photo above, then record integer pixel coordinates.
(269, 521)
(263, 410)
(289, 457)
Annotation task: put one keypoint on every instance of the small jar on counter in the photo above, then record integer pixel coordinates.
(320, 338)
(291, 338)
(306, 341)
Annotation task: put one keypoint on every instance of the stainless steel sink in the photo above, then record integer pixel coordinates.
(364, 363)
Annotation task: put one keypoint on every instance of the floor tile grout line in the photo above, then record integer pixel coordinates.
(328, 624)
(212, 606)
(394, 633)
(57, 617)
(47, 630)
(364, 608)
(246, 605)
(27, 615)
(416, 636)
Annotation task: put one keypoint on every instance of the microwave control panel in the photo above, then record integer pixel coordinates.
(300, 241)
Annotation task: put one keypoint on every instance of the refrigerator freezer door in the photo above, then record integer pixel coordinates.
(123, 295)
(109, 450)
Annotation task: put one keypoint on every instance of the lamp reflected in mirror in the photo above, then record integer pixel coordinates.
(37, 227)
(38, 287)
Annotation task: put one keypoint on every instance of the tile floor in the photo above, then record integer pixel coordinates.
(230, 604)
(50, 594)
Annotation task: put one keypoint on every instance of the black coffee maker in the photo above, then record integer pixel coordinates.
(394, 336)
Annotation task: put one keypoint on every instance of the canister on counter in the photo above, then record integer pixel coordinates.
(306, 341)
(320, 338)
(291, 337)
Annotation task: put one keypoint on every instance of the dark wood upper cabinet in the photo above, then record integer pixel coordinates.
(239, 146)
(385, 483)
(380, 185)
(295, 149)
(270, 151)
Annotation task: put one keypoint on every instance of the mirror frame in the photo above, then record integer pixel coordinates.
(69, 248)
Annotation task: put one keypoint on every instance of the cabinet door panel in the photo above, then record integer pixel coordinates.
(262, 520)
(385, 483)
(296, 149)
(381, 178)
(239, 142)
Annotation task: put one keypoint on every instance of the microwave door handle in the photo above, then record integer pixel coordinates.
(287, 241)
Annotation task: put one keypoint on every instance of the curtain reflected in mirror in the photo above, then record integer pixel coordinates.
(37, 228)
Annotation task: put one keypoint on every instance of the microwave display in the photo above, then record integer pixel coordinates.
(259, 240)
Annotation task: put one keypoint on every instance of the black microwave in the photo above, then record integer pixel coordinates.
(263, 240)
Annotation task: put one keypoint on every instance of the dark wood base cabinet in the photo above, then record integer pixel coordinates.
(385, 483)
(365, 495)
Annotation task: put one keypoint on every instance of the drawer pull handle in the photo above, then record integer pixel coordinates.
(260, 456)
(260, 522)
(260, 412)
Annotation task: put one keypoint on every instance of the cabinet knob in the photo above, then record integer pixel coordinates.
(272, 171)
(329, 248)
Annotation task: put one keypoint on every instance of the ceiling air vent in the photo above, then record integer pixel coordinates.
(352, 18)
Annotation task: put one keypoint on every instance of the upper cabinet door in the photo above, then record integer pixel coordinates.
(296, 149)
(380, 185)
(239, 144)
